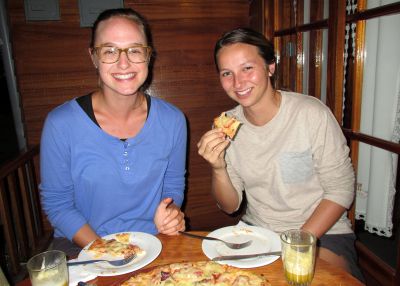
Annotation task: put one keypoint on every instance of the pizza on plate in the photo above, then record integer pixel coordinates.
(200, 273)
(119, 246)
(229, 124)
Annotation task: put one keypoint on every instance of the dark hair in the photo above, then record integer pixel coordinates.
(250, 37)
(127, 13)
(134, 16)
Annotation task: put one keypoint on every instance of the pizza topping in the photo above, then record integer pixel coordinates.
(164, 275)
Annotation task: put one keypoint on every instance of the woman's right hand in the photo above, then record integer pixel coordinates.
(212, 146)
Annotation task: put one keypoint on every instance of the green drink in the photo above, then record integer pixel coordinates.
(298, 255)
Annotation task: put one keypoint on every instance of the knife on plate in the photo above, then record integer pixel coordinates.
(244, 256)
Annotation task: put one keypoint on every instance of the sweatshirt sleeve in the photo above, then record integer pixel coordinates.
(235, 179)
(174, 181)
(57, 188)
(331, 157)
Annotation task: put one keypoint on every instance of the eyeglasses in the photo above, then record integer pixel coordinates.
(136, 54)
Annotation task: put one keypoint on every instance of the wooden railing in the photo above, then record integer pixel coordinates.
(22, 220)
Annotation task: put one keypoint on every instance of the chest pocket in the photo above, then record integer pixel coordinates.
(296, 167)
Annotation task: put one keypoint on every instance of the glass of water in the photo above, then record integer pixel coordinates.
(48, 269)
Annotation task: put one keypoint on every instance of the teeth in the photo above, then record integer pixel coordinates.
(124, 76)
(243, 92)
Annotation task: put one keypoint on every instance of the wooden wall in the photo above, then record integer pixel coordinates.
(52, 66)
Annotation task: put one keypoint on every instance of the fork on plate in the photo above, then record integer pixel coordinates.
(231, 245)
(119, 262)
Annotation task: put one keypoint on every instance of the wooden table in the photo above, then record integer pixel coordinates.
(182, 248)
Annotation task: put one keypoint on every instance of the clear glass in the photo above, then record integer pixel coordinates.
(136, 54)
(374, 3)
(380, 84)
(48, 269)
(314, 62)
(315, 10)
(298, 256)
(286, 60)
(304, 60)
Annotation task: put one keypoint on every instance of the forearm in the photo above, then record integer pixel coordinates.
(174, 178)
(324, 217)
(223, 190)
(84, 235)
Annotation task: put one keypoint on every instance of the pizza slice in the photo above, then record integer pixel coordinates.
(119, 246)
(229, 125)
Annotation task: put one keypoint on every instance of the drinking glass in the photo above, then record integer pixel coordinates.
(48, 269)
(298, 256)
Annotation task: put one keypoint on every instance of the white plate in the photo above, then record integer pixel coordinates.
(149, 243)
(264, 240)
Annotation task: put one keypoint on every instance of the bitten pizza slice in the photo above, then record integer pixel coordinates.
(119, 247)
(229, 125)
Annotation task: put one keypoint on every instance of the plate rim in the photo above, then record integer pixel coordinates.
(262, 261)
(155, 247)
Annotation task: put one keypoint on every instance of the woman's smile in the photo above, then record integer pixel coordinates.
(125, 76)
(244, 92)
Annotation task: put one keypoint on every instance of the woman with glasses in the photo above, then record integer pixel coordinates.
(289, 156)
(114, 160)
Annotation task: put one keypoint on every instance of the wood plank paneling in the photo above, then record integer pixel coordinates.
(334, 82)
(52, 66)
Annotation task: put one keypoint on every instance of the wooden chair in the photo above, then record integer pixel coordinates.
(376, 271)
(22, 219)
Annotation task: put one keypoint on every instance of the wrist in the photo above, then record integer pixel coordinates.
(219, 170)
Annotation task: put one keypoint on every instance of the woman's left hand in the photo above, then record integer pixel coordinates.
(169, 219)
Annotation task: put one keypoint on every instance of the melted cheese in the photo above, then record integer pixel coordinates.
(197, 273)
(114, 247)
